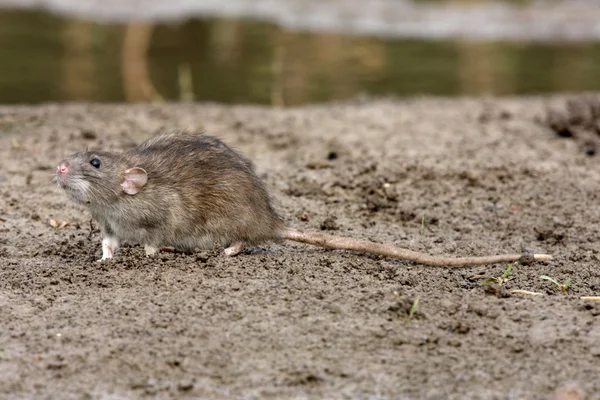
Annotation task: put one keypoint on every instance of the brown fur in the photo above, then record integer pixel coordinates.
(199, 192)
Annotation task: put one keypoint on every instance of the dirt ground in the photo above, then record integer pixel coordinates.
(457, 177)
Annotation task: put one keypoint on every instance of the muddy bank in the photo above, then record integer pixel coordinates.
(462, 177)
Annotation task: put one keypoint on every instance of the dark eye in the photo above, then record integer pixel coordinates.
(95, 163)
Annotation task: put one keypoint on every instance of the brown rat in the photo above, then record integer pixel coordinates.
(189, 190)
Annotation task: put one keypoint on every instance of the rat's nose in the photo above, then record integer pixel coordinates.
(62, 168)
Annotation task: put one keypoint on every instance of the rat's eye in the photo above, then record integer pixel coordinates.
(95, 163)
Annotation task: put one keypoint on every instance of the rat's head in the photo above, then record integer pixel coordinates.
(99, 178)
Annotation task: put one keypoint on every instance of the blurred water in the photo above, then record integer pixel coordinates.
(48, 57)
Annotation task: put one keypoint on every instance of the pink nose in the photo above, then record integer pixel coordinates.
(62, 168)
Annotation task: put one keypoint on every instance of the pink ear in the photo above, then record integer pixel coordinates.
(134, 180)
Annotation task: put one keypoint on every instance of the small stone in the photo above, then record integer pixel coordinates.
(88, 134)
(595, 351)
(185, 385)
(329, 224)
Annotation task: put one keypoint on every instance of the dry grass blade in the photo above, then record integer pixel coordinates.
(527, 292)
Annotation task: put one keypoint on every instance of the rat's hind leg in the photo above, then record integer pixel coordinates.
(110, 244)
(234, 249)
(150, 250)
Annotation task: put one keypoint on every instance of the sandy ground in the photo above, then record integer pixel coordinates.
(459, 177)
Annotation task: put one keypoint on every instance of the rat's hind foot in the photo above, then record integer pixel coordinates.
(150, 250)
(234, 249)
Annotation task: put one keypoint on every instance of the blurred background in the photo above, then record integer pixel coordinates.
(293, 52)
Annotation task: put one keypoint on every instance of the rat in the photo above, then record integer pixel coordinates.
(183, 190)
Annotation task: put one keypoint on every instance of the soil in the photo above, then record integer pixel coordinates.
(457, 177)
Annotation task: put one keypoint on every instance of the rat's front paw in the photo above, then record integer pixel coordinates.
(109, 247)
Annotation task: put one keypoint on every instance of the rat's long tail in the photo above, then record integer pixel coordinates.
(342, 243)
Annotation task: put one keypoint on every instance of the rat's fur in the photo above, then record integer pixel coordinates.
(199, 193)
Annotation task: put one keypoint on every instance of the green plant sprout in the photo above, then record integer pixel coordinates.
(500, 279)
(562, 286)
(422, 231)
(413, 309)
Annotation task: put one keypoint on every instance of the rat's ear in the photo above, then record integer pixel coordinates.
(134, 180)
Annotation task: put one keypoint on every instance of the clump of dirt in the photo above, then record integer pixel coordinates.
(456, 177)
(578, 119)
